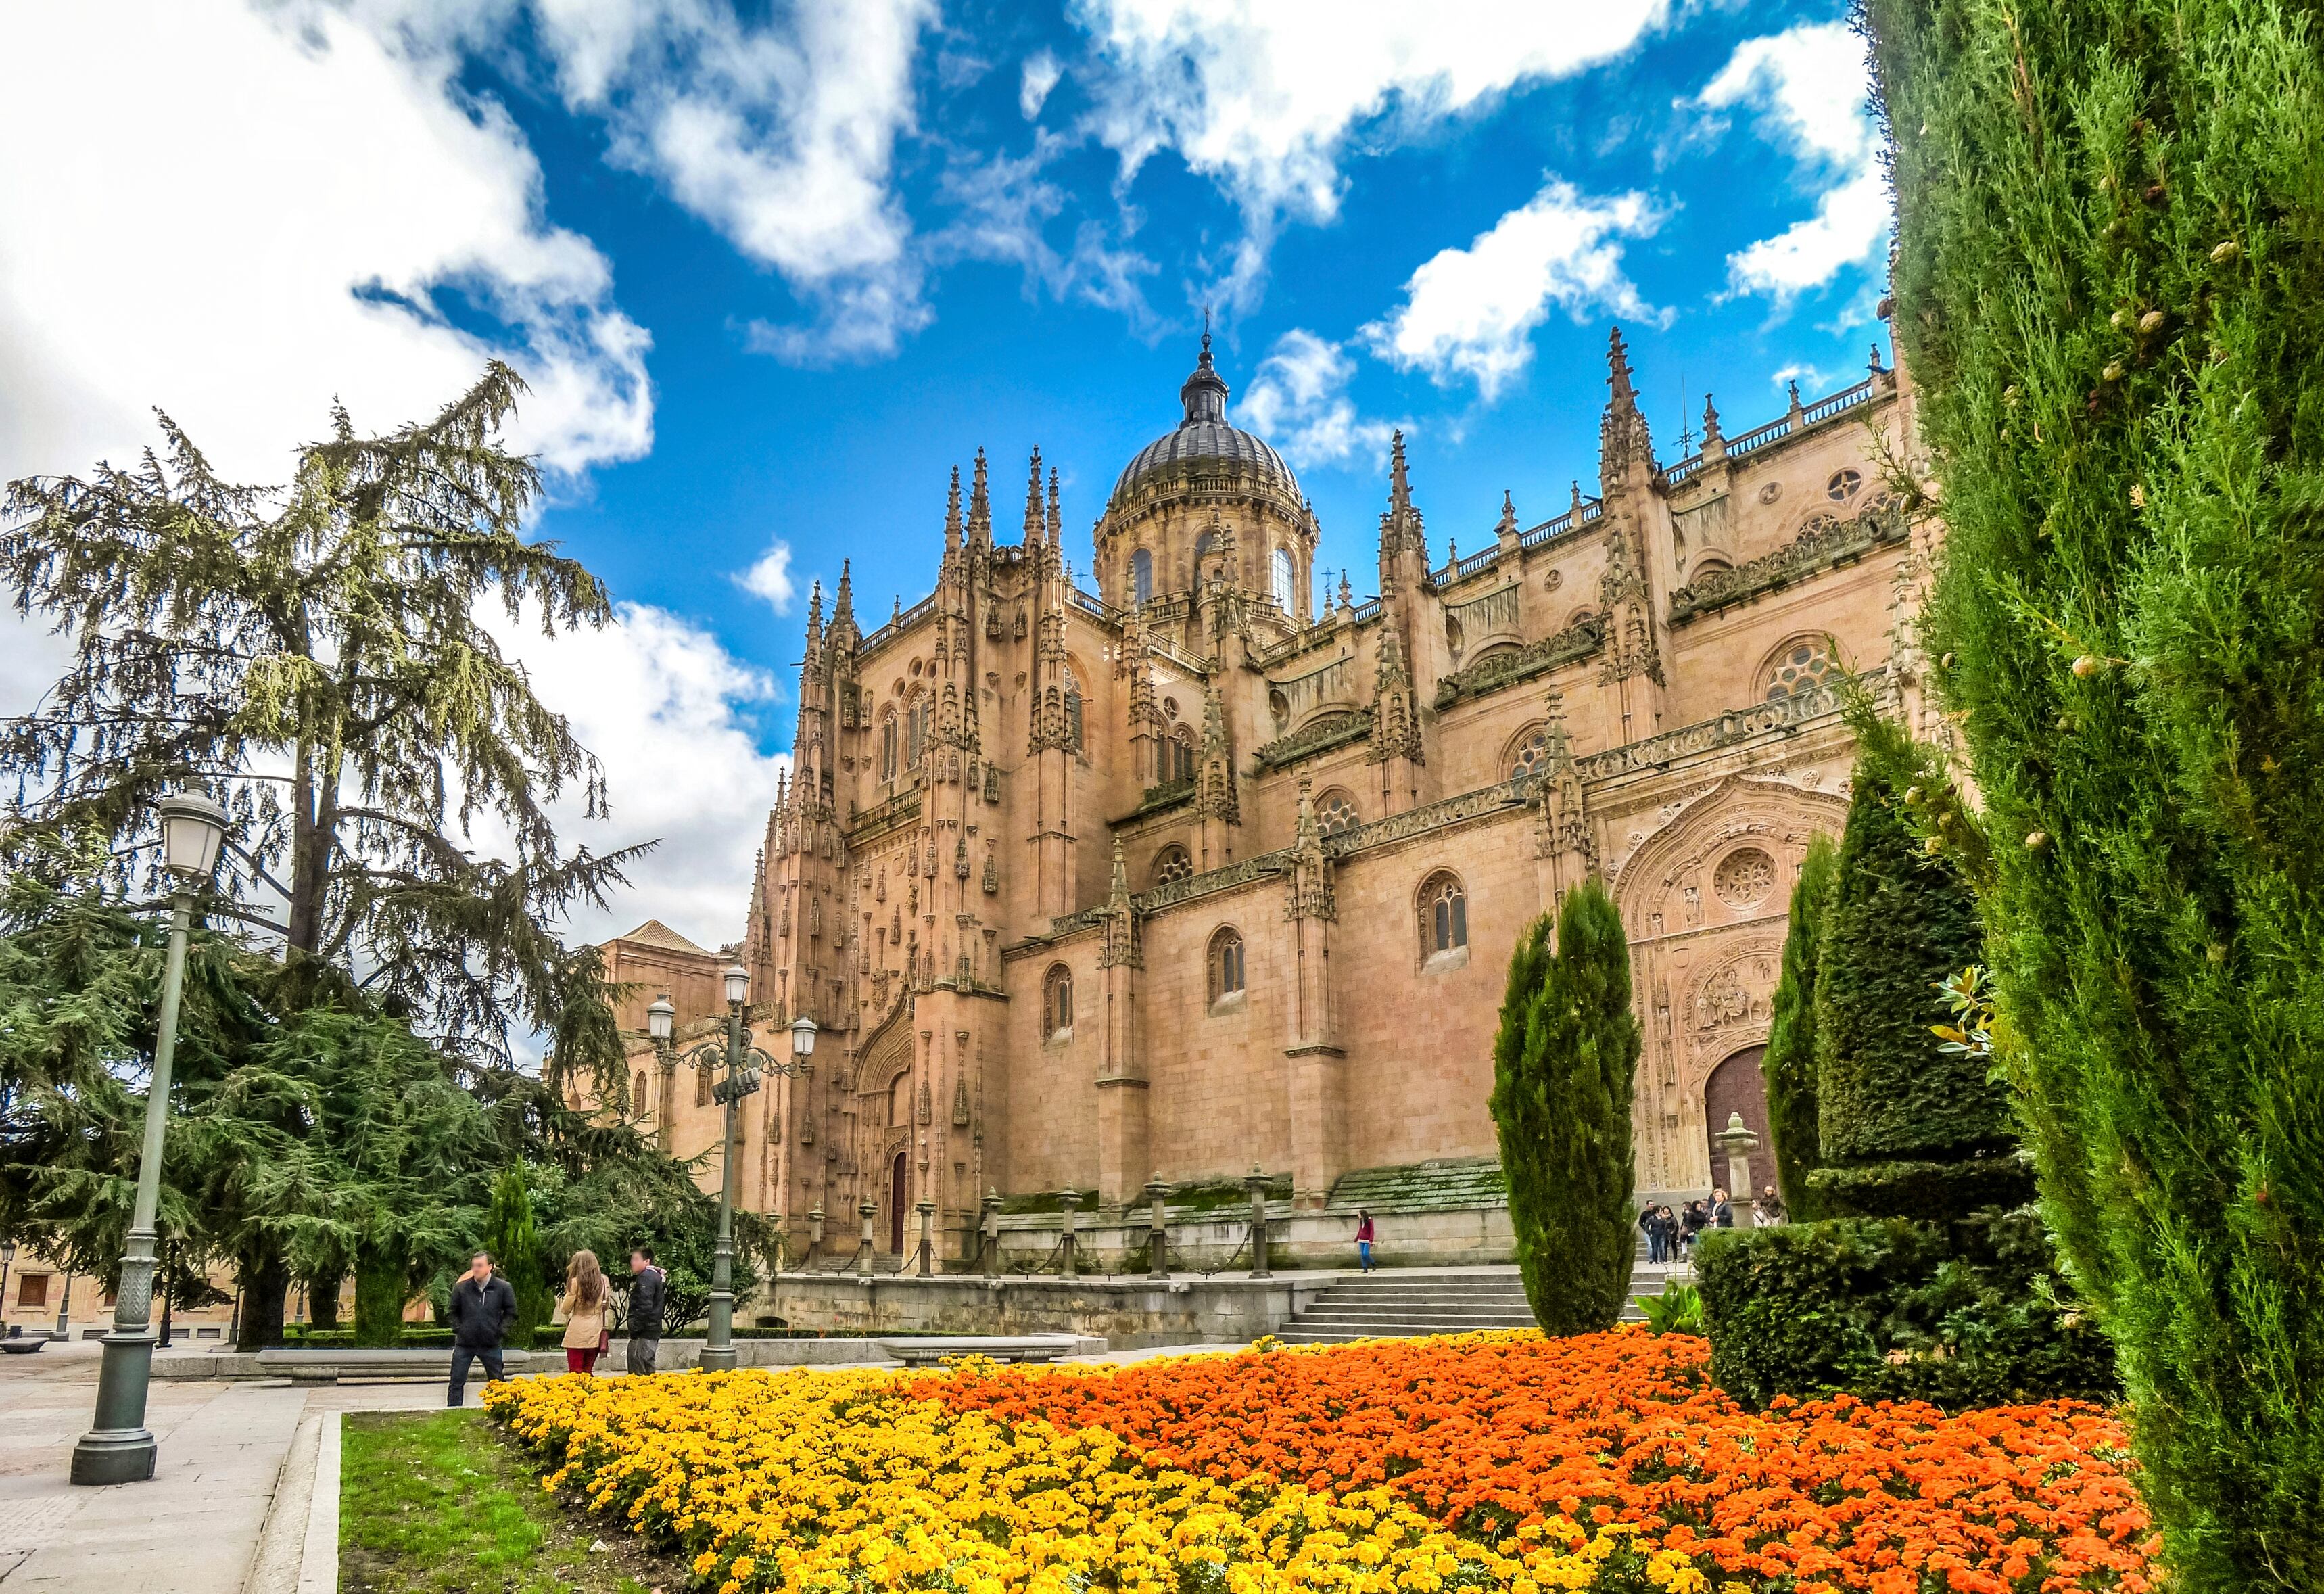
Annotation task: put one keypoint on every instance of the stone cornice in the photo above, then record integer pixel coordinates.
(1581, 640)
(1821, 545)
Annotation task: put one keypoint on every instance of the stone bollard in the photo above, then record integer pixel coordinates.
(1067, 1264)
(988, 1233)
(1738, 1142)
(867, 1212)
(928, 1211)
(1256, 1183)
(814, 1236)
(1157, 1232)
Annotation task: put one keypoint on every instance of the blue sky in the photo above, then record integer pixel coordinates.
(773, 269)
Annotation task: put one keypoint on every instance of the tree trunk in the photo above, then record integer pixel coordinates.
(381, 1282)
(265, 1282)
(323, 1299)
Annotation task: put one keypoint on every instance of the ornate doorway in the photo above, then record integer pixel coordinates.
(899, 1185)
(1737, 1086)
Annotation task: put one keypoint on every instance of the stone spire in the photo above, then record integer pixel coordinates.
(812, 669)
(1714, 442)
(980, 506)
(952, 522)
(1214, 782)
(1396, 722)
(1622, 436)
(1036, 530)
(1311, 893)
(1509, 521)
(1056, 518)
(1121, 948)
(1401, 531)
(844, 633)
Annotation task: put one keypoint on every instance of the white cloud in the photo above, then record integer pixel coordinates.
(771, 578)
(1298, 401)
(1041, 74)
(1263, 97)
(781, 135)
(1811, 86)
(244, 215)
(1471, 312)
(1005, 205)
(666, 709)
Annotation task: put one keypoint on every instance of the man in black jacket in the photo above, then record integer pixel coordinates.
(483, 1309)
(647, 1293)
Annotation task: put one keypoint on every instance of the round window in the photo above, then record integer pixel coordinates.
(1744, 877)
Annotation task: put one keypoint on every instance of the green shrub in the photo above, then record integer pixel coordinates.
(1564, 1064)
(1964, 1313)
(513, 1238)
(1678, 1310)
(1893, 1109)
(2110, 293)
(1789, 1064)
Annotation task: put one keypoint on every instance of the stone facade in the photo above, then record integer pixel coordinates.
(1180, 876)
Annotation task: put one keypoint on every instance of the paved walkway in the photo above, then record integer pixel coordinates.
(244, 1500)
(197, 1527)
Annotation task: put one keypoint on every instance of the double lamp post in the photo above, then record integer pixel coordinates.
(746, 1067)
(120, 1448)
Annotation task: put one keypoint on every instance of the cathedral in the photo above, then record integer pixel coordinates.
(1177, 874)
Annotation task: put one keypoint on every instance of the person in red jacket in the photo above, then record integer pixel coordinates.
(1363, 1240)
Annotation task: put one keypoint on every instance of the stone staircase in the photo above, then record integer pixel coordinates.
(1404, 1303)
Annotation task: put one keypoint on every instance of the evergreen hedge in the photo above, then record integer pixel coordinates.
(2110, 289)
(1903, 1129)
(513, 1238)
(1789, 1064)
(1964, 1313)
(1564, 1061)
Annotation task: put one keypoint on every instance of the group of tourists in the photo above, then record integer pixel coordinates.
(483, 1309)
(1671, 1235)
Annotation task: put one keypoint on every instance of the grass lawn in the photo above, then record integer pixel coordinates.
(433, 1504)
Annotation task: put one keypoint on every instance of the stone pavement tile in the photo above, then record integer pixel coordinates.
(195, 1527)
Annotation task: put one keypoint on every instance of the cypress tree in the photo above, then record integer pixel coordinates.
(1789, 1064)
(1564, 1061)
(1904, 1129)
(2111, 294)
(514, 1242)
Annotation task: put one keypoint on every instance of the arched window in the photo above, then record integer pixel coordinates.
(888, 745)
(1525, 753)
(1057, 1003)
(1141, 577)
(1073, 710)
(1171, 863)
(638, 1097)
(1800, 665)
(701, 1086)
(1226, 965)
(899, 1099)
(1443, 915)
(1335, 811)
(1181, 753)
(1709, 564)
(916, 731)
(1279, 578)
(1202, 546)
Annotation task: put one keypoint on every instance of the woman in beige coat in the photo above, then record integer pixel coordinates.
(586, 1296)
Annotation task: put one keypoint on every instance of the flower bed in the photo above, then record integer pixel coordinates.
(1450, 1464)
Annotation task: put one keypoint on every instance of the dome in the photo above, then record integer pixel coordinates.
(1204, 434)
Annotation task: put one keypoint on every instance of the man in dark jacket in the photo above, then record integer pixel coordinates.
(482, 1309)
(647, 1293)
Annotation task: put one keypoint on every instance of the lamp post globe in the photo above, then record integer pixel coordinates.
(738, 985)
(802, 1036)
(660, 1018)
(119, 1448)
(192, 829)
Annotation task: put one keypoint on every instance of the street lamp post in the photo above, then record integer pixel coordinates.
(746, 1068)
(120, 1448)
